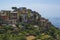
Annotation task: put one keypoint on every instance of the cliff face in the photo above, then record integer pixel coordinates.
(23, 23)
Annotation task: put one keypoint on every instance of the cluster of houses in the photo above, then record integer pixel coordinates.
(22, 15)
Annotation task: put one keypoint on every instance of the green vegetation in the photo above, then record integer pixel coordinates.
(9, 33)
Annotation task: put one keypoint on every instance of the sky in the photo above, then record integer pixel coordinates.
(49, 9)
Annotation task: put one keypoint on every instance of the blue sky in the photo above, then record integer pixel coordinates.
(47, 8)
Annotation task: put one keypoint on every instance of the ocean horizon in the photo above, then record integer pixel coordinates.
(55, 21)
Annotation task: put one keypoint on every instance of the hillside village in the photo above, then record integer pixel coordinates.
(22, 15)
(26, 24)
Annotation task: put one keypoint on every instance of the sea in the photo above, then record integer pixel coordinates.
(55, 21)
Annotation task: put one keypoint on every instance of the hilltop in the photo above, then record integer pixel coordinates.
(22, 24)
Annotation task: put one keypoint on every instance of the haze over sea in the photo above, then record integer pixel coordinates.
(55, 21)
(49, 9)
